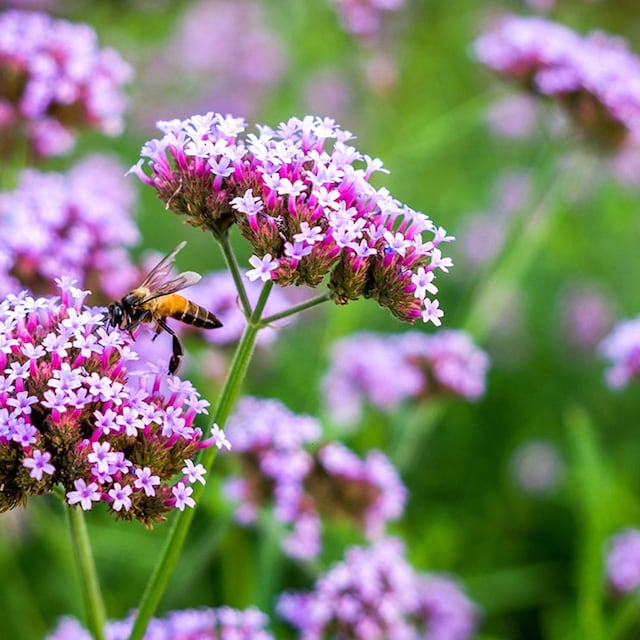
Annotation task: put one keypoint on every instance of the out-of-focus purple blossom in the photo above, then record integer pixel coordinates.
(596, 79)
(74, 410)
(217, 293)
(374, 594)
(55, 79)
(328, 91)
(364, 18)
(308, 211)
(386, 370)
(305, 483)
(78, 224)
(537, 466)
(622, 348)
(623, 560)
(222, 623)
(513, 116)
(587, 315)
(222, 55)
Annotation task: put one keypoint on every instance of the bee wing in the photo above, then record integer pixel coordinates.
(157, 276)
(182, 281)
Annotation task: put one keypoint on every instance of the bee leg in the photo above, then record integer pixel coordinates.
(174, 363)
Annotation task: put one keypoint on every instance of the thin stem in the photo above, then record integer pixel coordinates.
(234, 268)
(625, 623)
(94, 605)
(303, 306)
(182, 521)
(409, 443)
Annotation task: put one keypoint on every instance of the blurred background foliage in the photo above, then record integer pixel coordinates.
(531, 558)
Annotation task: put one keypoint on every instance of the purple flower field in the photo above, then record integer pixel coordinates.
(304, 331)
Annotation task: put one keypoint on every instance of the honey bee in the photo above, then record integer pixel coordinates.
(156, 299)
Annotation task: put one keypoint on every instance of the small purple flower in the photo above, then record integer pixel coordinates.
(85, 419)
(536, 466)
(374, 594)
(622, 348)
(307, 483)
(623, 560)
(55, 79)
(301, 196)
(422, 365)
(78, 223)
(190, 624)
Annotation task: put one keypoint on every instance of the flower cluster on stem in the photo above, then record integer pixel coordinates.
(301, 195)
(375, 593)
(54, 79)
(74, 411)
(424, 366)
(306, 483)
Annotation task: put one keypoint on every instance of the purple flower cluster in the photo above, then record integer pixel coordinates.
(307, 211)
(78, 223)
(55, 79)
(623, 561)
(596, 79)
(374, 594)
(363, 18)
(74, 412)
(421, 365)
(222, 623)
(305, 485)
(622, 348)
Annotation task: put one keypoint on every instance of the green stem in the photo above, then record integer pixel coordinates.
(527, 234)
(234, 268)
(410, 441)
(182, 521)
(303, 306)
(94, 605)
(626, 621)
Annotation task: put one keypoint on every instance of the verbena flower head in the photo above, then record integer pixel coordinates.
(304, 484)
(301, 196)
(374, 594)
(222, 623)
(596, 79)
(423, 366)
(623, 561)
(54, 79)
(78, 224)
(537, 466)
(622, 348)
(74, 412)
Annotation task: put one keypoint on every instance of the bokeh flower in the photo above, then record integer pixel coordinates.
(222, 54)
(364, 18)
(308, 212)
(304, 482)
(422, 366)
(622, 348)
(536, 466)
(222, 623)
(623, 560)
(374, 594)
(595, 79)
(75, 411)
(54, 80)
(78, 224)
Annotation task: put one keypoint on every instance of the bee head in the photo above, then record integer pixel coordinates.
(115, 315)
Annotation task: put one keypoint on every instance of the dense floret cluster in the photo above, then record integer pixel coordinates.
(301, 196)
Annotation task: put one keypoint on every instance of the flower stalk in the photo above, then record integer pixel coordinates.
(94, 604)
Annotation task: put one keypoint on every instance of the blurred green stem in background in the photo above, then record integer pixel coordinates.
(590, 483)
(410, 440)
(94, 604)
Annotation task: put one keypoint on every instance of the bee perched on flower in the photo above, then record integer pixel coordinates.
(301, 196)
(74, 412)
